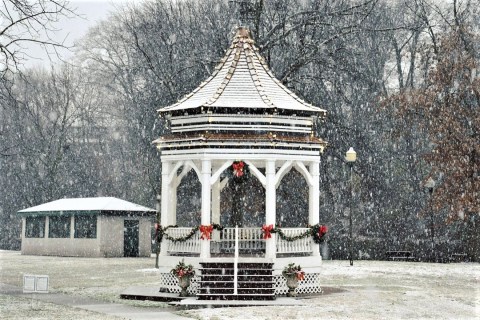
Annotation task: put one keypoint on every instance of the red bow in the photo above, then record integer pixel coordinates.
(300, 275)
(238, 168)
(206, 231)
(267, 231)
(322, 230)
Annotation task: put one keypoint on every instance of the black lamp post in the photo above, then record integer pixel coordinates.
(157, 230)
(430, 185)
(350, 158)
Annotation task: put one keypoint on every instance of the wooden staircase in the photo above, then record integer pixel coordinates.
(254, 281)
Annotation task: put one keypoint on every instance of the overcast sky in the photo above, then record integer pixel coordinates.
(90, 12)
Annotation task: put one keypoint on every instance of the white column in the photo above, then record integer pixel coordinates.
(206, 205)
(164, 205)
(172, 216)
(216, 207)
(313, 202)
(72, 227)
(47, 226)
(24, 227)
(270, 206)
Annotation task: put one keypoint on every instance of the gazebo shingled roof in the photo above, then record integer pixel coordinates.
(243, 80)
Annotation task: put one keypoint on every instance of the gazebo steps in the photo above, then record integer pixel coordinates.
(223, 296)
(254, 281)
(240, 277)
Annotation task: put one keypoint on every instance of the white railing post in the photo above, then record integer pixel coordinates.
(235, 264)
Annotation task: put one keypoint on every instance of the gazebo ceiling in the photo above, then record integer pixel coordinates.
(243, 80)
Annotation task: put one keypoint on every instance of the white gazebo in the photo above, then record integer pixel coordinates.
(240, 114)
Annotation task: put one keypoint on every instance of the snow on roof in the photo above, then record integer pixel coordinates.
(88, 204)
(242, 80)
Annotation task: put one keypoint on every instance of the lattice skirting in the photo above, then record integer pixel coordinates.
(311, 284)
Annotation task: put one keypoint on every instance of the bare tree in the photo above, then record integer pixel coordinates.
(58, 135)
(25, 22)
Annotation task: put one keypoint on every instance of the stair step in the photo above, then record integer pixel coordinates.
(239, 272)
(230, 275)
(251, 276)
(240, 281)
(239, 265)
(248, 269)
(236, 297)
(238, 294)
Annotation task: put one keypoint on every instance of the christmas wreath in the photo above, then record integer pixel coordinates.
(239, 171)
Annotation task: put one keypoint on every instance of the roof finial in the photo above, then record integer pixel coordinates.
(243, 32)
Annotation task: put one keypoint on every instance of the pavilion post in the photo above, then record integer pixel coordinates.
(216, 188)
(314, 199)
(165, 197)
(270, 207)
(206, 204)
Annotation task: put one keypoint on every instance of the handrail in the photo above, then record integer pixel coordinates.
(235, 264)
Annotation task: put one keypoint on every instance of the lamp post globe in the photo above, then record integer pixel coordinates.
(350, 156)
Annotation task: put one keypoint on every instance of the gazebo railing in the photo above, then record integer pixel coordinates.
(296, 246)
(191, 245)
(249, 239)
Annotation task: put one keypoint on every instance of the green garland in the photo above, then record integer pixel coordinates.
(161, 233)
(314, 231)
(185, 238)
(287, 238)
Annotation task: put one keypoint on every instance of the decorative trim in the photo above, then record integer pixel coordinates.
(310, 285)
(257, 173)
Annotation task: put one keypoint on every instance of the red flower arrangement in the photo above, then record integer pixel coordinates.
(183, 270)
(293, 270)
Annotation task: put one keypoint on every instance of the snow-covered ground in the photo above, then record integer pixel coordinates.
(367, 290)
(379, 290)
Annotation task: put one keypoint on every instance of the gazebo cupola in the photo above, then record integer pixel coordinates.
(241, 104)
(241, 112)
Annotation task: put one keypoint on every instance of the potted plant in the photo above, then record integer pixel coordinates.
(293, 273)
(184, 273)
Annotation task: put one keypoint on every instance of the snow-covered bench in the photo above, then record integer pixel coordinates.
(399, 255)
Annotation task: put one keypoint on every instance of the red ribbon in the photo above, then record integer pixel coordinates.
(300, 275)
(206, 231)
(267, 231)
(322, 230)
(238, 168)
